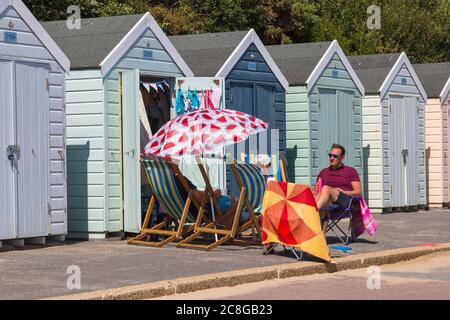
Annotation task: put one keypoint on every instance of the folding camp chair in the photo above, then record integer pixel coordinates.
(222, 235)
(160, 174)
(335, 214)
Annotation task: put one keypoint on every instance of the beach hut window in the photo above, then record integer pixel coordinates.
(10, 37)
(252, 66)
(148, 54)
(335, 73)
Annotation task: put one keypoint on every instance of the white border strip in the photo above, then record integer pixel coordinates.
(325, 60)
(402, 60)
(38, 30)
(445, 92)
(147, 21)
(252, 37)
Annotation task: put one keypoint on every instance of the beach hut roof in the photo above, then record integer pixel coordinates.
(377, 71)
(46, 39)
(303, 63)
(102, 42)
(215, 54)
(434, 77)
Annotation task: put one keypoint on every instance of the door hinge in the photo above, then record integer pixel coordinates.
(47, 84)
(49, 209)
(318, 104)
(390, 108)
(391, 189)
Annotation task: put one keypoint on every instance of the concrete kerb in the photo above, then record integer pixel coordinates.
(237, 277)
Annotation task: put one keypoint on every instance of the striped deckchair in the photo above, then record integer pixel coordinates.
(164, 189)
(221, 235)
(252, 186)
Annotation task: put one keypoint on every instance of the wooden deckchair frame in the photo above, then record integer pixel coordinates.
(159, 229)
(226, 234)
(283, 168)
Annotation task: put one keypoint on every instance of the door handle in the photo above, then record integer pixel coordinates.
(11, 150)
(405, 155)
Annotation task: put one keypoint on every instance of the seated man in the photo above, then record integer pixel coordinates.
(226, 203)
(339, 182)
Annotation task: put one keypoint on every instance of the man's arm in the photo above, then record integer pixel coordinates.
(356, 192)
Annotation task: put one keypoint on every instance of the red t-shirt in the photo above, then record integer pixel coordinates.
(339, 178)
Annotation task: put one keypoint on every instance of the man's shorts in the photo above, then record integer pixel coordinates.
(343, 200)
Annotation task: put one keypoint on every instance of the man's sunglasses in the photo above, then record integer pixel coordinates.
(331, 155)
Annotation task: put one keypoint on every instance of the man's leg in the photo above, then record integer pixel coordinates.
(326, 196)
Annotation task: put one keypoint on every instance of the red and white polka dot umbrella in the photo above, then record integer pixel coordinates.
(203, 130)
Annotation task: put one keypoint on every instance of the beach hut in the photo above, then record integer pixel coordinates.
(393, 132)
(253, 82)
(323, 106)
(116, 63)
(435, 78)
(32, 129)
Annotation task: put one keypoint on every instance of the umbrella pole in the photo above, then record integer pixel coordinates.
(204, 173)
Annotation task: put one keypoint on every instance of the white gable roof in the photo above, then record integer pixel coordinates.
(38, 30)
(146, 22)
(252, 37)
(334, 48)
(402, 60)
(445, 91)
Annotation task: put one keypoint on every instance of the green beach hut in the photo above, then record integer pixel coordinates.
(323, 106)
(111, 58)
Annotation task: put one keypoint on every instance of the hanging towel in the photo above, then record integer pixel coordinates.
(179, 102)
(188, 102)
(201, 96)
(195, 100)
(216, 98)
(369, 222)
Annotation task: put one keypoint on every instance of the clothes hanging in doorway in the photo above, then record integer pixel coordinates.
(195, 99)
(179, 102)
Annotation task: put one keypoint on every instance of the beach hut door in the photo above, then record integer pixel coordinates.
(131, 151)
(7, 220)
(399, 151)
(327, 124)
(24, 169)
(411, 148)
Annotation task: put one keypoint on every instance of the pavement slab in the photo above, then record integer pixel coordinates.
(34, 271)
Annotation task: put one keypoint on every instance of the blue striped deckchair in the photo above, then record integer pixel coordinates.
(252, 185)
(160, 174)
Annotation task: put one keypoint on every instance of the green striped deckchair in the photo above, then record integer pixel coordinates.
(160, 174)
